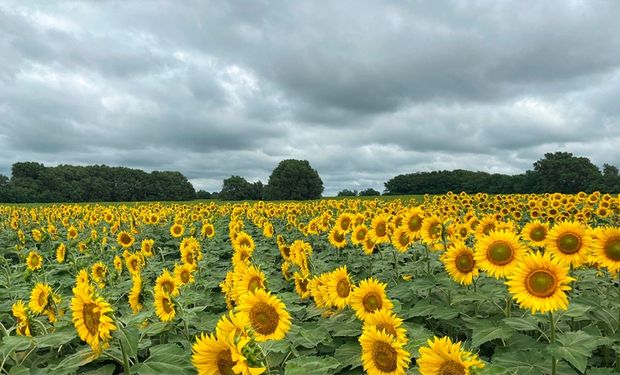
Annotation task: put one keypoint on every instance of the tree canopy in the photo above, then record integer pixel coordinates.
(294, 180)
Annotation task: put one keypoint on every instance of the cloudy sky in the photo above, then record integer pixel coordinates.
(364, 90)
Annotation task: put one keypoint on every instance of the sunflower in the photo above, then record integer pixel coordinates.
(344, 221)
(382, 354)
(99, 271)
(231, 323)
(244, 240)
(460, 264)
(215, 354)
(34, 261)
(369, 246)
(337, 238)
(535, 232)
(387, 321)
(499, 253)
(358, 235)
(432, 228)
(118, 264)
(540, 283)
(39, 298)
(266, 315)
(369, 297)
(72, 233)
(82, 279)
(20, 313)
(401, 240)
(301, 285)
(183, 274)
(207, 230)
(61, 252)
(412, 222)
(135, 294)
(177, 230)
(248, 279)
(164, 306)
(486, 225)
(146, 247)
(569, 242)
(442, 357)
(134, 263)
(379, 231)
(606, 249)
(166, 284)
(339, 288)
(91, 319)
(125, 239)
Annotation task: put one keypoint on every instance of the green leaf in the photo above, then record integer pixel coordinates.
(167, 359)
(529, 323)
(60, 337)
(105, 370)
(128, 337)
(349, 354)
(576, 348)
(486, 334)
(577, 311)
(525, 362)
(309, 365)
(12, 344)
(19, 370)
(75, 360)
(435, 311)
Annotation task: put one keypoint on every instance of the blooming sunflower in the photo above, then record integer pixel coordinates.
(344, 221)
(125, 239)
(134, 263)
(368, 297)
(535, 232)
(387, 321)
(231, 323)
(337, 238)
(34, 261)
(382, 354)
(207, 230)
(214, 354)
(401, 240)
(540, 283)
(358, 235)
(39, 298)
(248, 279)
(183, 274)
(442, 357)
(499, 253)
(146, 247)
(412, 222)
(569, 242)
(166, 284)
(301, 285)
(99, 271)
(266, 315)
(118, 264)
(606, 249)
(379, 231)
(91, 318)
(177, 230)
(135, 300)
(164, 306)
(20, 313)
(460, 264)
(432, 228)
(369, 246)
(61, 252)
(339, 288)
(72, 233)
(244, 240)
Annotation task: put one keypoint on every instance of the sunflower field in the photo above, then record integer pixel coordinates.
(450, 284)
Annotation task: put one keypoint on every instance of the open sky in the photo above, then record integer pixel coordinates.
(364, 90)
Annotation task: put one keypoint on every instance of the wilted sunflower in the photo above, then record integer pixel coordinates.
(177, 230)
(535, 232)
(369, 297)
(460, 264)
(499, 253)
(164, 306)
(540, 283)
(61, 252)
(166, 284)
(382, 354)
(125, 239)
(39, 298)
(569, 243)
(339, 288)
(606, 249)
(212, 355)
(135, 300)
(387, 321)
(442, 357)
(266, 315)
(34, 261)
(91, 318)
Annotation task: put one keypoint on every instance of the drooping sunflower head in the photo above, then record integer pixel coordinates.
(368, 297)
(382, 353)
(125, 239)
(499, 253)
(39, 298)
(460, 263)
(34, 261)
(302, 283)
(443, 357)
(607, 248)
(569, 242)
(266, 315)
(540, 283)
(20, 312)
(92, 318)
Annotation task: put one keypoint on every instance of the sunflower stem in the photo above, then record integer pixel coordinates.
(395, 263)
(552, 341)
(125, 358)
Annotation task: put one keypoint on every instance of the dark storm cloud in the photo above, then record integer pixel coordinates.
(363, 89)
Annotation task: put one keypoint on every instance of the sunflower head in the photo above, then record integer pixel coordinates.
(368, 297)
(382, 353)
(266, 314)
(441, 356)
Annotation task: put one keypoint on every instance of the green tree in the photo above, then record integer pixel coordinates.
(370, 192)
(564, 173)
(294, 180)
(611, 179)
(235, 188)
(347, 193)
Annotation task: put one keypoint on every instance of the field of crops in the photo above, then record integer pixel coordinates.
(452, 284)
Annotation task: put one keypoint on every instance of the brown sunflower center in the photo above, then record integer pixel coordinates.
(384, 356)
(435, 230)
(34, 261)
(415, 223)
(488, 228)
(303, 285)
(225, 363)
(208, 231)
(372, 301)
(612, 249)
(500, 253)
(541, 283)
(167, 286)
(185, 276)
(452, 368)
(403, 239)
(177, 229)
(245, 242)
(264, 318)
(388, 328)
(464, 262)
(343, 288)
(344, 224)
(255, 283)
(42, 299)
(166, 304)
(538, 234)
(569, 243)
(360, 235)
(381, 229)
(339, 236)
(91, 318)
(286, 251)
(99, 272)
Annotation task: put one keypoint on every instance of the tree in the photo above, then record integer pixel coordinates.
(347, 193)
(564, 173)
(611, 179)
(294, 180)
(235, 188)
(202, 194)
(370, 192)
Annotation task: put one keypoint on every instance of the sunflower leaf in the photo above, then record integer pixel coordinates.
(309, 365)
(576, 348)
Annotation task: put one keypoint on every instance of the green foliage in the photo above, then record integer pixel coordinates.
(294, 180)
(347, 193)
(370, 192)
(564, 173)
(237, 188)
